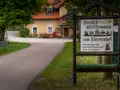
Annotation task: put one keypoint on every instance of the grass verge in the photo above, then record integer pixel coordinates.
(58, 75)
(12, 47)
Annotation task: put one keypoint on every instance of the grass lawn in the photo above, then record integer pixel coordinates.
(58, 75)
(12, 47)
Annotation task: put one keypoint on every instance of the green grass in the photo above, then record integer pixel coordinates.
(12, 47)
(58, 75)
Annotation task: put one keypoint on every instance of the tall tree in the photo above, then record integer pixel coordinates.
(17, 12)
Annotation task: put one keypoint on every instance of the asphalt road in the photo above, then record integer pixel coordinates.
(18, 69)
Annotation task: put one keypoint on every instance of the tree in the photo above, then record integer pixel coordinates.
(93, 10)
(17, 12)
(71, 4)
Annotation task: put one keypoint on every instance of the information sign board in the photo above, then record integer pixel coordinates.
(96, 35)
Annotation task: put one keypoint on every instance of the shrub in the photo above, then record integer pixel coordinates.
(24, 32)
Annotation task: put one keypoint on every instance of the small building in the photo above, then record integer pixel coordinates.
(45, 24)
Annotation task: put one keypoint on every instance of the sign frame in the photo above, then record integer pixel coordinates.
(75, 53)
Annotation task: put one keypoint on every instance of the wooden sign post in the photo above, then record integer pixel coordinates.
(96, 39)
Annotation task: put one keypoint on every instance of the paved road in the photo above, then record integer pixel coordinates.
(18, 69)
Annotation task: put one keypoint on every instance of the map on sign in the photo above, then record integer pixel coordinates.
(96, 35)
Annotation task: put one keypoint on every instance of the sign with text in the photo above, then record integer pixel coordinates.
(96, 35)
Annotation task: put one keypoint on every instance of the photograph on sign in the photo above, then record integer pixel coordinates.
(96, 35)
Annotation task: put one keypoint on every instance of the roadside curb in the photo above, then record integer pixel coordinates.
(29, 87)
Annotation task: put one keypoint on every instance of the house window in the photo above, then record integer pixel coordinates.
(50, 29)
(49, 11)
(34, 29)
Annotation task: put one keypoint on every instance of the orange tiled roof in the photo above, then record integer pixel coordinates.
(45, 16)
(56, 5)
(55, 14)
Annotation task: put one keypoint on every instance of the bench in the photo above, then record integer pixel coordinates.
(45, 35)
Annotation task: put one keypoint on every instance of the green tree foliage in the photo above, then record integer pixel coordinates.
(71, 4)
(24, 32)
(17, 12)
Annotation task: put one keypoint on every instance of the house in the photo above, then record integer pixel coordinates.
(50, 22)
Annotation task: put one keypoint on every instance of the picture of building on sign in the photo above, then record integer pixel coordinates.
(98, 33)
